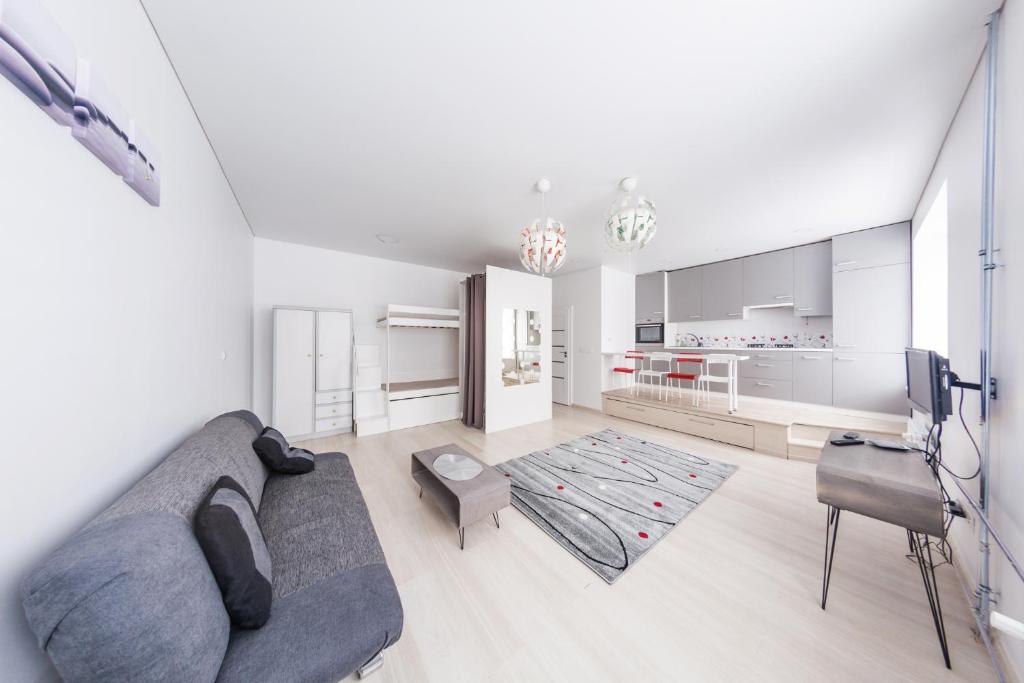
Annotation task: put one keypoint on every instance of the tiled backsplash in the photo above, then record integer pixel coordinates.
(767, 326)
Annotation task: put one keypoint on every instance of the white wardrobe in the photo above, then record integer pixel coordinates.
(312, 372)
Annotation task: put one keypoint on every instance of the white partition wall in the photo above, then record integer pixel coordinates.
(512, 406)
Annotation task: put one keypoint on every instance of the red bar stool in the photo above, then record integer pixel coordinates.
(680, 374)
(630, 372)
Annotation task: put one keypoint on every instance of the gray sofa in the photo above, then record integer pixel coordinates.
(131, 598)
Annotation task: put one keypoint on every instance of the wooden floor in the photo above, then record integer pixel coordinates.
(730, 595)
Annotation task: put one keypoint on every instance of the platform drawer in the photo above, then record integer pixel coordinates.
(735, 433)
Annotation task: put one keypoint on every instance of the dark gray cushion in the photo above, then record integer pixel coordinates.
(232, 542)
(322, 633)
(276, 453)
(131, 599)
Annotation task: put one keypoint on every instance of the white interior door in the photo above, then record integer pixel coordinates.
(334, 350)
(293, 371)
(561, 359)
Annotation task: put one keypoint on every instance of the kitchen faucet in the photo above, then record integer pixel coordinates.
(696, 339)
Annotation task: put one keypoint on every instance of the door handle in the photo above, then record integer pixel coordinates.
(845, 263)
(733, 314)
(846, 346)
(845, 358)
(805, 308)
(810, 357)
(693, 317)
(764, 384)
(784, 296)
(763, 365)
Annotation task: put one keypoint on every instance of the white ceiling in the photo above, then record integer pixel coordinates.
(753, 125)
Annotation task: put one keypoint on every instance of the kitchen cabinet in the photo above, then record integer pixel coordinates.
(779, 389)
(884, 246)
(722, 290)
(872, 309)
(812, 377)
(768, 278)
(684, 296)
(812, 279)
(870, 381)
(650, 297)
(766, 369)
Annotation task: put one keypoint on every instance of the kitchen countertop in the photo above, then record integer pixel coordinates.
(747, 349)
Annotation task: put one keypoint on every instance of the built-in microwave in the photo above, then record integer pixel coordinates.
(650, 333)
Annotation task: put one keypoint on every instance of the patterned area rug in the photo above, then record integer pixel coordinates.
(608, 497)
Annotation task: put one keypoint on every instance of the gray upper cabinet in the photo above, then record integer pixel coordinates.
(722, 290)
(812, 279)
(872, 309)
(768, 278)
(684, 296)
(650, 297)
(884, 246)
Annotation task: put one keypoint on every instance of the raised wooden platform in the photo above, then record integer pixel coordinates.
(782, 428)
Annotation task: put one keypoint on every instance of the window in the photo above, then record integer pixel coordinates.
(931, 277)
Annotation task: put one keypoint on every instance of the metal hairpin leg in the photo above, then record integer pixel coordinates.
(462, 538)
(496, 522)
(831, 532)
(923, 552)
(421, 492)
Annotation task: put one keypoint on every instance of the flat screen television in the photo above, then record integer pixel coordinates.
(928, 384)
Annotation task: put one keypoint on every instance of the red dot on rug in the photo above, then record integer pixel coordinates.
(693, 476)
(507, 474)
(593, 443)
(559, 487)
(625, 462)
(642, 534)
(657, 503)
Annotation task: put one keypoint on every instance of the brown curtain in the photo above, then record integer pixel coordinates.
(473, 370)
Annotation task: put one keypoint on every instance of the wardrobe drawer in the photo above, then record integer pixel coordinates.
(766, 388)
(332, 424)
(766, 369)
(336, 396)
(334, 410)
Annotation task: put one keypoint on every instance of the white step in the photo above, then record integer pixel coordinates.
(367, 426)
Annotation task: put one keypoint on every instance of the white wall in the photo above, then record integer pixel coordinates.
(618, 310)
(604, 305)
(295, 275)
(959, 169)
(507, 407)
(582, 291)
(115, 313)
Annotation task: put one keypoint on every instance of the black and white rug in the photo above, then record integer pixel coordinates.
(608, 497)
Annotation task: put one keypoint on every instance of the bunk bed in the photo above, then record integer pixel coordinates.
(422, 401)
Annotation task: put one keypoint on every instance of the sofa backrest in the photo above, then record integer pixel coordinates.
(130, 596)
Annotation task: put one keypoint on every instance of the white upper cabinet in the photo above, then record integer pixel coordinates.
(884, 246)
(768, 278)
(650, 297)
(722, 290)
(684, 296)
(812, 279)
(334, 350)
